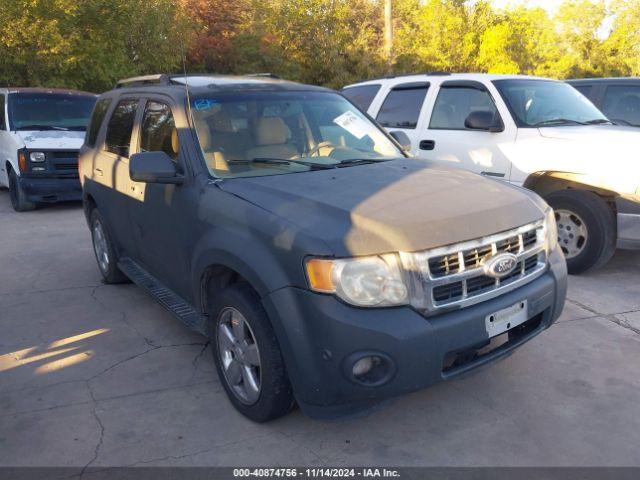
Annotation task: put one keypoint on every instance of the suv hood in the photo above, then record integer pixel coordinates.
(603, 155)
(402, 205)
(51, 139)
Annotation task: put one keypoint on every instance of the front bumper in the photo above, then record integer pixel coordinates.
(320, 336)
(50, 190)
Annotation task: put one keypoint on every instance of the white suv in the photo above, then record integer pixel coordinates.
(41, 132)
(536, 132)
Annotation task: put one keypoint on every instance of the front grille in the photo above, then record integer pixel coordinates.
(455, 275)
(64, 161)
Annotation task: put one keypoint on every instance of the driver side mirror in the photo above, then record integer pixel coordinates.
(154, 167)
(402, 138)
(482, 120)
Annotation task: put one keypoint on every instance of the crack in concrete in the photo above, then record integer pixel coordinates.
(106, 399)
(51, 290)
(609, 316)
(96, 451)
(123, 316)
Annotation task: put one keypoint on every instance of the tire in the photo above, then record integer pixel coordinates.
(239, 307)
(104, 250)
(19, 200)
(591, 215)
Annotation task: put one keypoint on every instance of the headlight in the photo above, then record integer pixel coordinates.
(365, 282)
(37, 157)
(550, 229)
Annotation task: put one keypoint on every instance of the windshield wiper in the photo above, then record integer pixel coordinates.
(41, 127)
(360, 161)
(558, 121)
(281, 161)
(599, 121)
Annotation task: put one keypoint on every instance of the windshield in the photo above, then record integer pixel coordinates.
(272, 133)
(50, 111)
(545, 103)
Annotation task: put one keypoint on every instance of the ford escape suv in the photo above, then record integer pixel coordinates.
(327, 268)
(41, 131)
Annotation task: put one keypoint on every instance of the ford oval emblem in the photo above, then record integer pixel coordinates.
(500, 265)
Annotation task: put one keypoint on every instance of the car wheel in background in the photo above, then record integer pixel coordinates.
(586, 228)
(18, 197)
(247, 355)
(104, 250)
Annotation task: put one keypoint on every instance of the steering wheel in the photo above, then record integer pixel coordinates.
(315, 151)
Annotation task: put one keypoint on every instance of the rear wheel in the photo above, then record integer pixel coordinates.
(104, 250)
(586, 228)
(19, 200)
(247, 355)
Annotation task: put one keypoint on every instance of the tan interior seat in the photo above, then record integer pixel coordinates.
(271, 139)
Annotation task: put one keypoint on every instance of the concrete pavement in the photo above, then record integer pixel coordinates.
(97, 375)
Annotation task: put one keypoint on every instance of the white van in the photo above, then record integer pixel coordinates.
(535, 132)
(41, 132)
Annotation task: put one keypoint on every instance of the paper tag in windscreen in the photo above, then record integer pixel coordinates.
(353, 124)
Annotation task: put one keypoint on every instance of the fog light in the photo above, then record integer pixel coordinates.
(362, 366)
(38, 169)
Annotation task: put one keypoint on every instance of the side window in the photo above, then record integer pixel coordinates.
(362, 96)
(621, 104)
(99, 112)
(402, 106)
(454, 104)
(3, 121)
(584, 89)
(158, 132)
(120, 127)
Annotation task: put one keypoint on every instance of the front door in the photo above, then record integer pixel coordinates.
(448, 139)
(160, 214)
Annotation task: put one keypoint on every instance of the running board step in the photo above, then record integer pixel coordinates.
(166, 297)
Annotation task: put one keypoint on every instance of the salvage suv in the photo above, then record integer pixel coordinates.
(327, 268)
(534, 132)
(41, 131)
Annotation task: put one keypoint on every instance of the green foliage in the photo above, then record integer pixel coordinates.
(89, 44)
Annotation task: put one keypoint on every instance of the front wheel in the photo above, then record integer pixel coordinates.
(586, 228)
(19, 200)
(247, 355)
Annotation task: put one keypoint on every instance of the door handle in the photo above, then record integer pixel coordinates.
(427, 144)
(98, 171)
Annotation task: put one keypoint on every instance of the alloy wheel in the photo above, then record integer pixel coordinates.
(239, 356)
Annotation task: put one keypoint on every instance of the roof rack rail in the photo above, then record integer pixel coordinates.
(157, 79)
(265, 74)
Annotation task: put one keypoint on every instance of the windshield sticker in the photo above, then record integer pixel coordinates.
(353, 124)
(204, 104)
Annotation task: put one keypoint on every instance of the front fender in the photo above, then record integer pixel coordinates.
(545, 182)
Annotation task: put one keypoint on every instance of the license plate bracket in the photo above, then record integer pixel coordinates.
(503, 320)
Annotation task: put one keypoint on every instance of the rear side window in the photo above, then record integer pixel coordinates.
(158, 132)
(362, 96)
(120, 127)
(621, 104)
(402, 106)
(3, 121)
(454, 104)
(97, 117)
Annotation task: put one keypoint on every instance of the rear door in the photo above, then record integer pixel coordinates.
(110, 169)
(446, 139)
